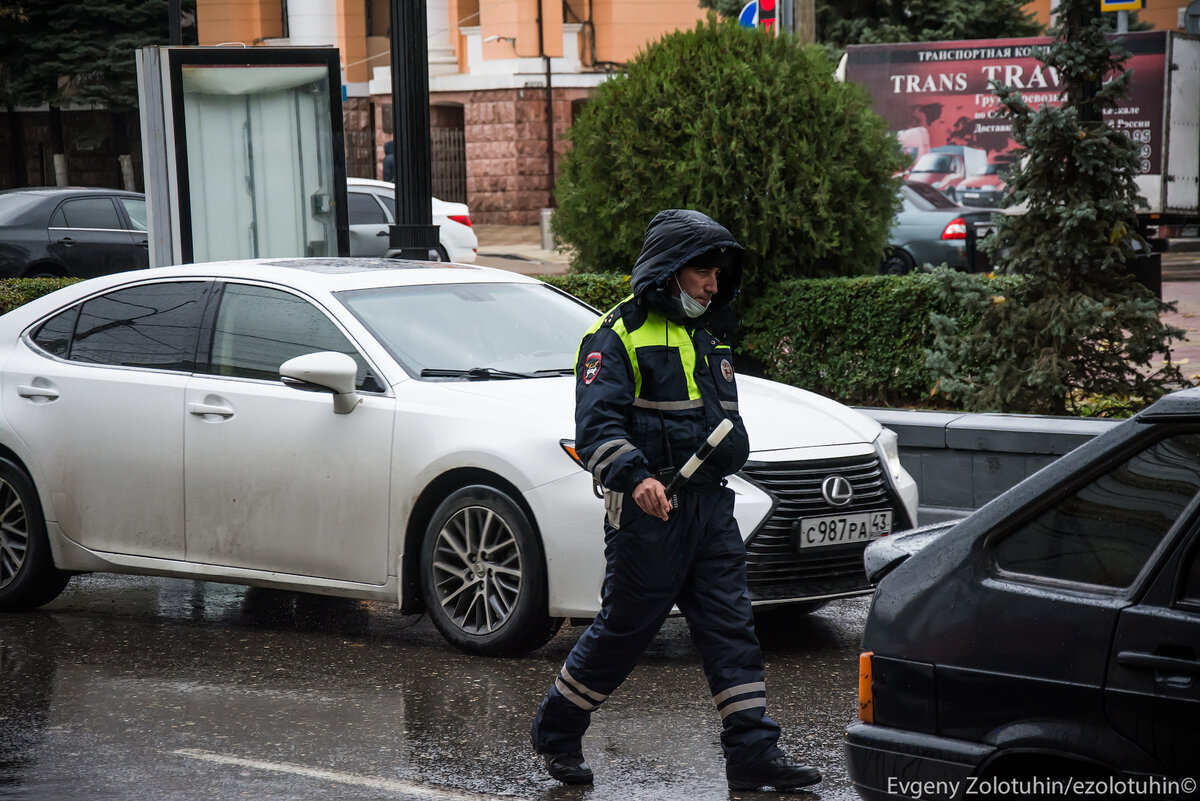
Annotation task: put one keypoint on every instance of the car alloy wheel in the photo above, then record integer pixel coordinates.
(483, 574)
(477, 569)
(14, 534)
(28, 577)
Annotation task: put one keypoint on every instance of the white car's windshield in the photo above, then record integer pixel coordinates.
(474, 331)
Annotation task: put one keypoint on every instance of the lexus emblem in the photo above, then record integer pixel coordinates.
(837, 491)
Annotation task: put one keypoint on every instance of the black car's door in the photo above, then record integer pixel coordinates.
(1152, 693)
(89, 237)
(135, 214)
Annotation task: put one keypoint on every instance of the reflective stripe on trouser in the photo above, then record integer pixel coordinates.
(695, 560)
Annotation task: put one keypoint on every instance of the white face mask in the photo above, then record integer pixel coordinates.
(687, 304)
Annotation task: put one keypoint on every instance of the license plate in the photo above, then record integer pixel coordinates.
(817, 532)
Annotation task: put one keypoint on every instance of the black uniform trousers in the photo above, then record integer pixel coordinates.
(696, 560)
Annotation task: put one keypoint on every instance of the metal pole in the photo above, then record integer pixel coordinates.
(413, 236)
(174, 23)
(1080, 15)
(549, 100)
(1122, 22)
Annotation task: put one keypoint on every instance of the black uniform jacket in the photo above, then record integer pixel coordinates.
(651, 384)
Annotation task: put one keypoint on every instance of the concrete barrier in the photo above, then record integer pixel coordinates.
(961, 461)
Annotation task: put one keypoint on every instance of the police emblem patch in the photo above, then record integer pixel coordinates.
(591, 367)
(726, 370)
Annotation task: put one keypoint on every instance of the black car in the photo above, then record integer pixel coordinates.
(1053, 636)
(80, 232)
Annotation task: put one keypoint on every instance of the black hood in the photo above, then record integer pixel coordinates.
(675, 238)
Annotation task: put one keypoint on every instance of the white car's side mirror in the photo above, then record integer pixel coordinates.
(326, 371)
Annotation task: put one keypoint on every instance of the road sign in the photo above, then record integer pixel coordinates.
(748, 18)
(1120, 5)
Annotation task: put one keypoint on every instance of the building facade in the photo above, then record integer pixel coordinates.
(506, 79)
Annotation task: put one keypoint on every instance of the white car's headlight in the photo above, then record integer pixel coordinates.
(889, 446)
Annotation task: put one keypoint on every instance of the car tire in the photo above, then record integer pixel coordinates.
(897, 262)
(483, 575)
(442, 254)
(28, 577)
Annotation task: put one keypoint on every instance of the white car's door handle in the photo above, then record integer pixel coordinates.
(32, 391)
(205, 409)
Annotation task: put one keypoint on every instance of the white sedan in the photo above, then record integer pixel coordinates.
(371, 209)
(374, 429)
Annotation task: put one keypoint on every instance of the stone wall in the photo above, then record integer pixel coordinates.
(961, 461)
(359, 127)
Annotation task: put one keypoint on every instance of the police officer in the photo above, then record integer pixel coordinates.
(653, 377)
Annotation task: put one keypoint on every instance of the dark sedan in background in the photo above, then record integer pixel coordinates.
(933, 229)
(1049, 644)
(78, 232)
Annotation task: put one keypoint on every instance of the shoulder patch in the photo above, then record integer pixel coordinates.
(611, 319)
(591, 366)
(727, 370)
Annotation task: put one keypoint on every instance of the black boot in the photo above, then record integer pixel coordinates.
(781, 773)
(569, 767)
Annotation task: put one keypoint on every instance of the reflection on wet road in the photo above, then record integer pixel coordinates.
(137, 688)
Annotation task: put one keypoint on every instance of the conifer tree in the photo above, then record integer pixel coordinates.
(1079, 325)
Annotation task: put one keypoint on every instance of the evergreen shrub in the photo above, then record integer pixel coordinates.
(1079, 326)
(858, 340)
(16, 292)
(601, 290)
(754, 131)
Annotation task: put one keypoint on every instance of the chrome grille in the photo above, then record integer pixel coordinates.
(775, 568)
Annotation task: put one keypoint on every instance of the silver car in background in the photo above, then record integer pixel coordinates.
(932, 229)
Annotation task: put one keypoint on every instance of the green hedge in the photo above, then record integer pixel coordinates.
(602, 290)
(16, 292)
(859, 340)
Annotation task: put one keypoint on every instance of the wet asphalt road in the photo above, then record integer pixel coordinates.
(138, 688)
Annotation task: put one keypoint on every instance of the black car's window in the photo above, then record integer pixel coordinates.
(1191, 580)
(87, 212)
(154, 325)
(1104, 534)
(136, 209)
(258, 328)
(14, 204)
(54, 335)
(363, 209)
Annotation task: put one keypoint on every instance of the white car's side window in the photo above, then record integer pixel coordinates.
(153, 325)
(363, 210)
(258, 328)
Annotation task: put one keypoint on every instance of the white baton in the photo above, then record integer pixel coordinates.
(693, 464)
